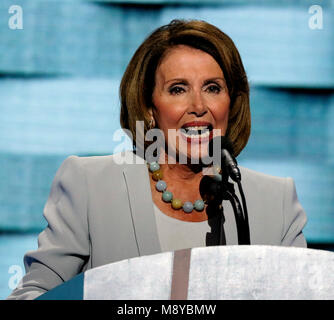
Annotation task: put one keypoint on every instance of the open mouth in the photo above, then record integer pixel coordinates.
(198, 131)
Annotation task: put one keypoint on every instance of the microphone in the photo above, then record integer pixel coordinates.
(222, 150)
(225, 152)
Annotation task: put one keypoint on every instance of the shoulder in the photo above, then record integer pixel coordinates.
(117, 161)
(249, 174)
(268, 189)
(265, 183)
(272, 202)
(109, 171)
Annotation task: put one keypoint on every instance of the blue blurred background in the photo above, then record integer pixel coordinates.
(59, 78)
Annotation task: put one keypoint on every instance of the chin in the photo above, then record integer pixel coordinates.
(197, 155)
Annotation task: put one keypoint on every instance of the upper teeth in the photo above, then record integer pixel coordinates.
(197, 130)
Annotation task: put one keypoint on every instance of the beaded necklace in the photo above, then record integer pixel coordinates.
(167, 196)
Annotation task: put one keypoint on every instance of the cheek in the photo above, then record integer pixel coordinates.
(221, 113)
(168, 115)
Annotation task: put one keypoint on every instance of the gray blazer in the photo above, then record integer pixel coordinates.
(100, 211)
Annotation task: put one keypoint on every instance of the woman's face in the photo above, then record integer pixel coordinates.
(191, 97)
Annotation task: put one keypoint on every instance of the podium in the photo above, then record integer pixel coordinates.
(210, 273)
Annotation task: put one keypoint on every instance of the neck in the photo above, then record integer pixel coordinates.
(181, 172)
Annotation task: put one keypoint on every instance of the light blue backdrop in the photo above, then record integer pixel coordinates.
(59, 80)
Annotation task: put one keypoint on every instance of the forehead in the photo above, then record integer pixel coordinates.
(180, 59)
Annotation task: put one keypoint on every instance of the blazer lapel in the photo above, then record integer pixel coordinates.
(141, 207)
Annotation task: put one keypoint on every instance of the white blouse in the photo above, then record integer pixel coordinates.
(176, 234)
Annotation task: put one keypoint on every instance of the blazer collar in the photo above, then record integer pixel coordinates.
(141, 206)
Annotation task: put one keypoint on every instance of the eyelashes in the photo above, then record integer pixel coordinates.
(214, 88)
(177, 89)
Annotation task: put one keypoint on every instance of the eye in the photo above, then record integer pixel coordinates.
(176, 90)
(214, 88)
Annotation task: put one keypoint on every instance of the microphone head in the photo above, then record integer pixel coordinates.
(210, 189)
(218, 143)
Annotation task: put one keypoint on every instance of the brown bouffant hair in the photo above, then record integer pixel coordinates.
(138, 81)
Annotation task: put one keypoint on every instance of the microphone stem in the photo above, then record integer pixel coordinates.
(222, 240)
(246, 223)
(242, 238)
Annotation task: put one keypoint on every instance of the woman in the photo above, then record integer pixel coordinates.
(186, 79)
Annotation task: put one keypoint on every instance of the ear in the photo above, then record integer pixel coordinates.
(150, 111)
(152, 119)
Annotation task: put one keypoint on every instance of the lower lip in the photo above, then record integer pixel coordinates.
(197, 140)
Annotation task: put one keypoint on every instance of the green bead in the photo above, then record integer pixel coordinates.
(167, 196)
(161, 185)
(199, 205)
(154, 166)
(218, 177)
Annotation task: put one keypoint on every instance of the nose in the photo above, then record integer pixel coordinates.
(197, 105)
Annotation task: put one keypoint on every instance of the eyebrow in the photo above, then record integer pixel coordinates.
(206, 81)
